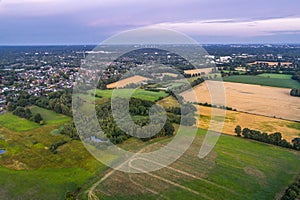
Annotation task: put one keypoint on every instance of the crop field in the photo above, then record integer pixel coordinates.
(139, 93)
(288, 129)
(122, 83)
(265, 80)
(198, 71)
(267, 101)
(49, 116)
(235, 169)
(8, 120)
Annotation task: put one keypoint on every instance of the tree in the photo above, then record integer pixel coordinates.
(275, 138)
(57, 108)
(238, 130)
(295, 92)
(11, 106)
(296, 143)
(37, 118)
(246, 132)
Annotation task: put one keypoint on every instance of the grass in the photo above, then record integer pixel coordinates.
(29, 170)
(280, 76)
(41, 183)
(49, 116)
(236, 169)
(273, 81)
(15, 123)
(139, 93)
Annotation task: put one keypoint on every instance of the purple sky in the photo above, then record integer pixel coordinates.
(91, 21)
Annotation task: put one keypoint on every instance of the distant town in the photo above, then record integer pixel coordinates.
(41, 70)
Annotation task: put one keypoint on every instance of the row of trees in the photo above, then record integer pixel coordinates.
(183, 115)
(215, 106)
(293, 191)
(296, 76)
(274, 138)
(26, 113)
(53, 147)
(186, 86)
(295, 92)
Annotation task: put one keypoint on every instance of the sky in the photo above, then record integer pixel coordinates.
(34, 22)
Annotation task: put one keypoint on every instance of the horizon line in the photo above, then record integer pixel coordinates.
(83, 44)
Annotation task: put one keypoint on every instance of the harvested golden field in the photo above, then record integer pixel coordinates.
(198, 71)
(261, 100)
(288, 129)
(122, 83)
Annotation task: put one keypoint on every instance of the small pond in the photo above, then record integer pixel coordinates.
(2, 151)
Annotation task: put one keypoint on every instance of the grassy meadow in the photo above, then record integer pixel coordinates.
(139, 93)
(15, 123)
(29, 170)
(41, 183)
(49, 117)
(273, 80)
(280, 76)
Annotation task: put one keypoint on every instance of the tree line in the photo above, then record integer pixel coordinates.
(293, 191)
(27, 114)
(274, 138)
(183, 115)
(186, 86)
(214, 106)
(296, 76)
(295, 92)
(60, 101)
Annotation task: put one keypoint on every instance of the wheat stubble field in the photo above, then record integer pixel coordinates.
(255, 99)
(289, 129)
(124, 82)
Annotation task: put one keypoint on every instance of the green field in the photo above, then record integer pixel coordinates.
(139, 93)
(280, 76)
(236, 169)
(49, 116)
(14, 123)
(29, 170)
(41, 183)
(264, 80)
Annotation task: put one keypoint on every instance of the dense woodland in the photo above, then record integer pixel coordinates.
(60, 102)
(139, 110)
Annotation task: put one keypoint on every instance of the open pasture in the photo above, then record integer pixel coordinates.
(138, 93)
(49, 117)
(15, 123)
(272, 80)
